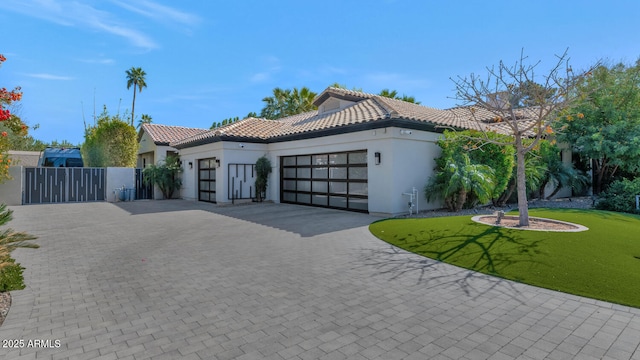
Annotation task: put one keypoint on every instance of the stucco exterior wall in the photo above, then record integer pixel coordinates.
(227, 153)
(11, 190)
(117, 177)
(407, 161)
(24, 158)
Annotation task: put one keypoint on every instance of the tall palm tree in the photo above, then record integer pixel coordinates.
(135, 77)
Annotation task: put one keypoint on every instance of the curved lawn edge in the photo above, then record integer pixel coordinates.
(602, 263)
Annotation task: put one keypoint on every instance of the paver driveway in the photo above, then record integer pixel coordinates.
(184, 280)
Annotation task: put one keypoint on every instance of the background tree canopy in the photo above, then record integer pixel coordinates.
(607, 129)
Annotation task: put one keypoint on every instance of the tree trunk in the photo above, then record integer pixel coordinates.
(523, 206)
(462, 197)
(133, 105)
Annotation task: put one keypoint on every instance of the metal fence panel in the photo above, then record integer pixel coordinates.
(56, 185)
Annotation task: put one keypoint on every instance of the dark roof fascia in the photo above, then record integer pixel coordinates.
(219, 138)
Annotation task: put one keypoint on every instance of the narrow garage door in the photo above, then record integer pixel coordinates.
(335, 180)
(207, 180)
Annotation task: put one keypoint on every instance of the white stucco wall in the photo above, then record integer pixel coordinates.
(11, 190)
(146, 144)
(117, 177)
(407, 161)
(227, 153)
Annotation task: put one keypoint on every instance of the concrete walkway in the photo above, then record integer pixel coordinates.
(183, 280)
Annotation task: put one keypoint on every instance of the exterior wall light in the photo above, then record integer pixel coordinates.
(378, 158)
(190, 164)
(217, 162)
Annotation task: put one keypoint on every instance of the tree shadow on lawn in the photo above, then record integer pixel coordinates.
(602, 214)
(437, 267)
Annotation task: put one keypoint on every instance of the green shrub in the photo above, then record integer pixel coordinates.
(165, 175)
(11, 276)
(620, 196)
(263, 169)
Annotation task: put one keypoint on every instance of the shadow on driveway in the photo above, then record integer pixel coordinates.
(305, 221)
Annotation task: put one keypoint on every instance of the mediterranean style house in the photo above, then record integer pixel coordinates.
(358, 151)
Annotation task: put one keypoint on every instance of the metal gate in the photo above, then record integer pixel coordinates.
(241, 181)
(143, 191)
(57, 185)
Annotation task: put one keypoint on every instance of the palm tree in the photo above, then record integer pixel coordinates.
(393, 94)
(144, 119)
(286, 102)
(135, 77)
(460, 180)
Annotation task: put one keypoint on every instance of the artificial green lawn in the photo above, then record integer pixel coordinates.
(601, 263)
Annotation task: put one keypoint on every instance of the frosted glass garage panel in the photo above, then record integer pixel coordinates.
(337, 159)
(320, 159)
(338, 173)
(358, 173)
(338, 201)
(358, 204)
(338, 187)
(320, 173)
(304, 173)
(320, 200)
(289, 161)
(358, 189)
(304, 160)
(358, 158)
(289, 185)
(304, 198)
(304, 186)
(289, 172)
(320, 186)
(289, 196)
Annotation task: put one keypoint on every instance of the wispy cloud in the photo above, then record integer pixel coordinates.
(46, 76)
(260, 77)
(272, 64)
(101, 61)
(158, 12)
(396, 81)
(85, 15)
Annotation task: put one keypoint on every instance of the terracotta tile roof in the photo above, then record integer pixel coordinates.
(166, 134)
(367, 108)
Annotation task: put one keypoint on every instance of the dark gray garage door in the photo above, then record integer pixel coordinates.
(207, 180)
(334, 180)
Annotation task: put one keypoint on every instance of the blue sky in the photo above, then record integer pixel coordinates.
(210, 60)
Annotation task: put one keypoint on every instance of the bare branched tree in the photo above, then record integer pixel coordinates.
(514, 100)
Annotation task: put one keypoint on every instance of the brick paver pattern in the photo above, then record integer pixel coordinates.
(184, 280)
